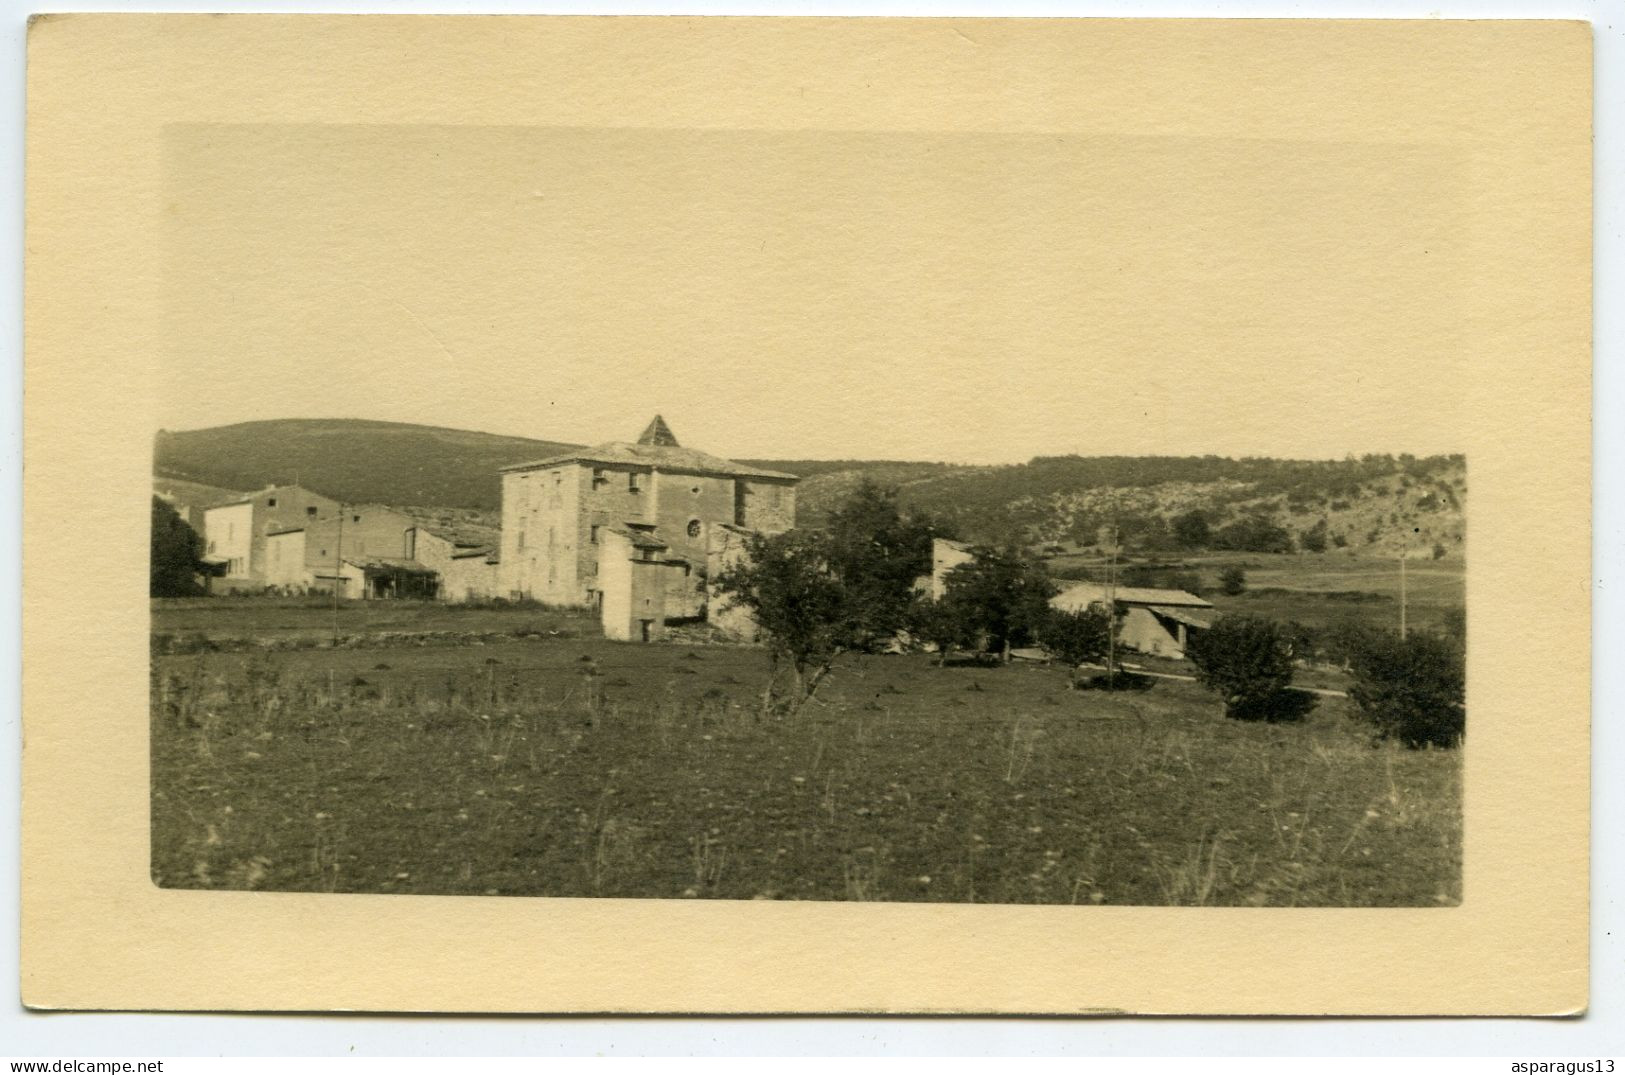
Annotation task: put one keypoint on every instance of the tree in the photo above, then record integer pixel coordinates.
(1192, 529)
(1256, 533)
(877, 552)
(803, 609)
(943, 624)
(1314, 538)
(818, 594)
(1247, 661)
(1412, 689)
(1233, 581)
(176, 549)
(1077, 637)
(1001, 595)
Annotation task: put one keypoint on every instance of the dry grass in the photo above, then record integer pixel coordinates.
(523, 769)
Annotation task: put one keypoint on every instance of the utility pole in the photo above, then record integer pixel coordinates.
(1111, 611)
(338, 574)
(1402, 596)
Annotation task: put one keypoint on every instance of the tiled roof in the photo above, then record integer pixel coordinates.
(659, 456)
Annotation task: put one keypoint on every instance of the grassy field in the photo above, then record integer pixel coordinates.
(272, 622)
(1324, 590)
(571, 766)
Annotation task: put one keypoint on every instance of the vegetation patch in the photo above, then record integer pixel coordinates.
(524, 769)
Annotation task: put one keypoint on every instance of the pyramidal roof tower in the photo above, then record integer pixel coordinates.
(659, 433)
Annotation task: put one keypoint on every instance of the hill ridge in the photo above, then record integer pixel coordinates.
(1374, 501)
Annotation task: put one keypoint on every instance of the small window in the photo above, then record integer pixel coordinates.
(693, 528)
(311, 511)
(598, 477)
(355, 518)
(324, 552)
(695, 490)
(270, 501)
(592, 535)
(632, 481)
(558, 477)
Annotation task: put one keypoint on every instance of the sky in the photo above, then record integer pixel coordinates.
(952, 296)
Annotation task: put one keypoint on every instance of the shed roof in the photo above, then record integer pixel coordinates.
(1180, 615)
(399, 564)
(1084, 594)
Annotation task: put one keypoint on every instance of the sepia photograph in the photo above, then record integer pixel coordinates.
(792, 516)
(948, 517)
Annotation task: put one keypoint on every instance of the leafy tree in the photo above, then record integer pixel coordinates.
(1256, 533)
(1001, 595)
(176, 549)
(1314, 538)
(944, 624)
(1412, 689)
(803, 609)
(818, 594)
(1247, 661)
(877, 552)
(1192, 529)
(1233, 581)
(1077, 637)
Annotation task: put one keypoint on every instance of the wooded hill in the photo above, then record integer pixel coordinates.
(1377, 502)
(351, 459)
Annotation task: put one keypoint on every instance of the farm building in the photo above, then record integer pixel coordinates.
(307, 557)
(581, 528)
(463, 555)
(946, 554)
(235, 533)
(376, 578)
(1155, 621)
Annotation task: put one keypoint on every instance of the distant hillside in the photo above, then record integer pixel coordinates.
(351, 459)
(1377, 502)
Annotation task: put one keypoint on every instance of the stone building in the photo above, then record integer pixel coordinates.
(587, 526)
(235, 533)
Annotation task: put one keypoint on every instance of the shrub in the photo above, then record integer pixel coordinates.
(1076, 638)
(1001, 595)
(1192, 529)
(176, 549)
(1255, 533)
(1247, 661)
(1412, 689)
(942, 624)
(1233, 581)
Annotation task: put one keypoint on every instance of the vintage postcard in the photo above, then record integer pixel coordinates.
(807, 515)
